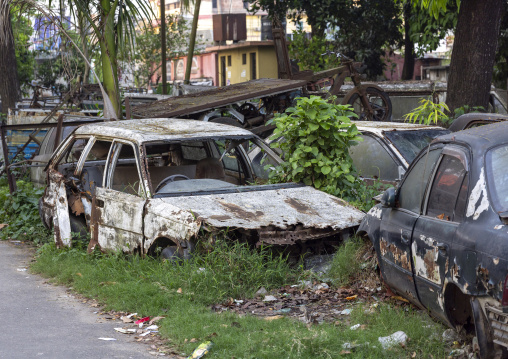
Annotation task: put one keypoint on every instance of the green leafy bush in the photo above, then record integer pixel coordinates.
(318, 134)
(20, 212)
(308, 52)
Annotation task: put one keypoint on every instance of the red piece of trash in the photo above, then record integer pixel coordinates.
(142, 320)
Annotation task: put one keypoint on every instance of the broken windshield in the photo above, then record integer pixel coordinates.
(410, 143)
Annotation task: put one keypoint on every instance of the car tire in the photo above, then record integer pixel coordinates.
(483, 332)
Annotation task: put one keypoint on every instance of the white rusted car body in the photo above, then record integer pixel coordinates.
(143, 185)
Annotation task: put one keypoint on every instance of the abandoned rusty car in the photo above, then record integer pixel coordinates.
(150, 186)
(442, 236)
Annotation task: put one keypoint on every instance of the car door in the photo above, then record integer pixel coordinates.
(434, 231)
(117, 214)
(62, 169)
(398, 223)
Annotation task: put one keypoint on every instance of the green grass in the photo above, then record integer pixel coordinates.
(149, 287)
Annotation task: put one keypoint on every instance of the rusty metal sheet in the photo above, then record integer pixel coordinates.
(278, 208)
(218, 97)
(162, 129)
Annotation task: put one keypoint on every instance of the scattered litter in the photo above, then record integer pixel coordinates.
(108, 339)
(457, 352)
(261, 291)
(201, 350)
(21, 269)
(346, 312)
(396, 338)
(283, 310)
(142, 320)
(273, 317)
(145, 334)
(152, 327)
(125, 331)
(269, 298)
(126, 319)
(156, 319)
(238, 301)
(201, 270)
(352, 297)
(321, 286)
(354, 327)
(179, 290)
(450, 336)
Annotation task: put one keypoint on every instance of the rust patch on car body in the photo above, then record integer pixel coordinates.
(400, 257)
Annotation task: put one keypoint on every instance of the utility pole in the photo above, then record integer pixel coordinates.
(192, 41)
(163, 46)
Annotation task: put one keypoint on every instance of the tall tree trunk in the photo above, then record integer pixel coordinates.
(409, 47)
(474, 53)
(192, 41)
(109, 58)
(10, 91)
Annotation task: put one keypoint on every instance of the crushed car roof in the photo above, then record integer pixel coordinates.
(161, 129)
(379, 127)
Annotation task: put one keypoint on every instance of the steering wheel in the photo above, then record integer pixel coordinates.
(168, 180)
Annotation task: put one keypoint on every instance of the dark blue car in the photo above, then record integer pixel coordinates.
(441, 236)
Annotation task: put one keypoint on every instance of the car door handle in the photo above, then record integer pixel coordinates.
(442, 247)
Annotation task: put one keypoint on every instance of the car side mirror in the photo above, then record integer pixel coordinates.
(388, 198)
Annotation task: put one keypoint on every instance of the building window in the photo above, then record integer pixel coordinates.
(244, 59)
(229, 60)
(214, 4)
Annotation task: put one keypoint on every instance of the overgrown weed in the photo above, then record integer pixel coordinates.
(183, 294)
(20, 212)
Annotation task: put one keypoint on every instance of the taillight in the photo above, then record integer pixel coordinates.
(504, 301)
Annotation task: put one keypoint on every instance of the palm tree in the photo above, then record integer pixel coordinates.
(113, 23)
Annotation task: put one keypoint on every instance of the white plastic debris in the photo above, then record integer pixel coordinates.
(269, 298)
(346, 312)
(321, 286)
(152, 327)
(354, 327)
(396, 338)
(125, 331)
(108, 339)
(21, 269)
(238, 301)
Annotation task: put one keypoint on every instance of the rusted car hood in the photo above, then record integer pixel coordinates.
(280, 208)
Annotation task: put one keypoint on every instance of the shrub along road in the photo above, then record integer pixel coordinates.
(40, 320)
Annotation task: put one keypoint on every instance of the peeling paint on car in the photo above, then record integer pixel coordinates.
(479, 192)
(375, 212)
